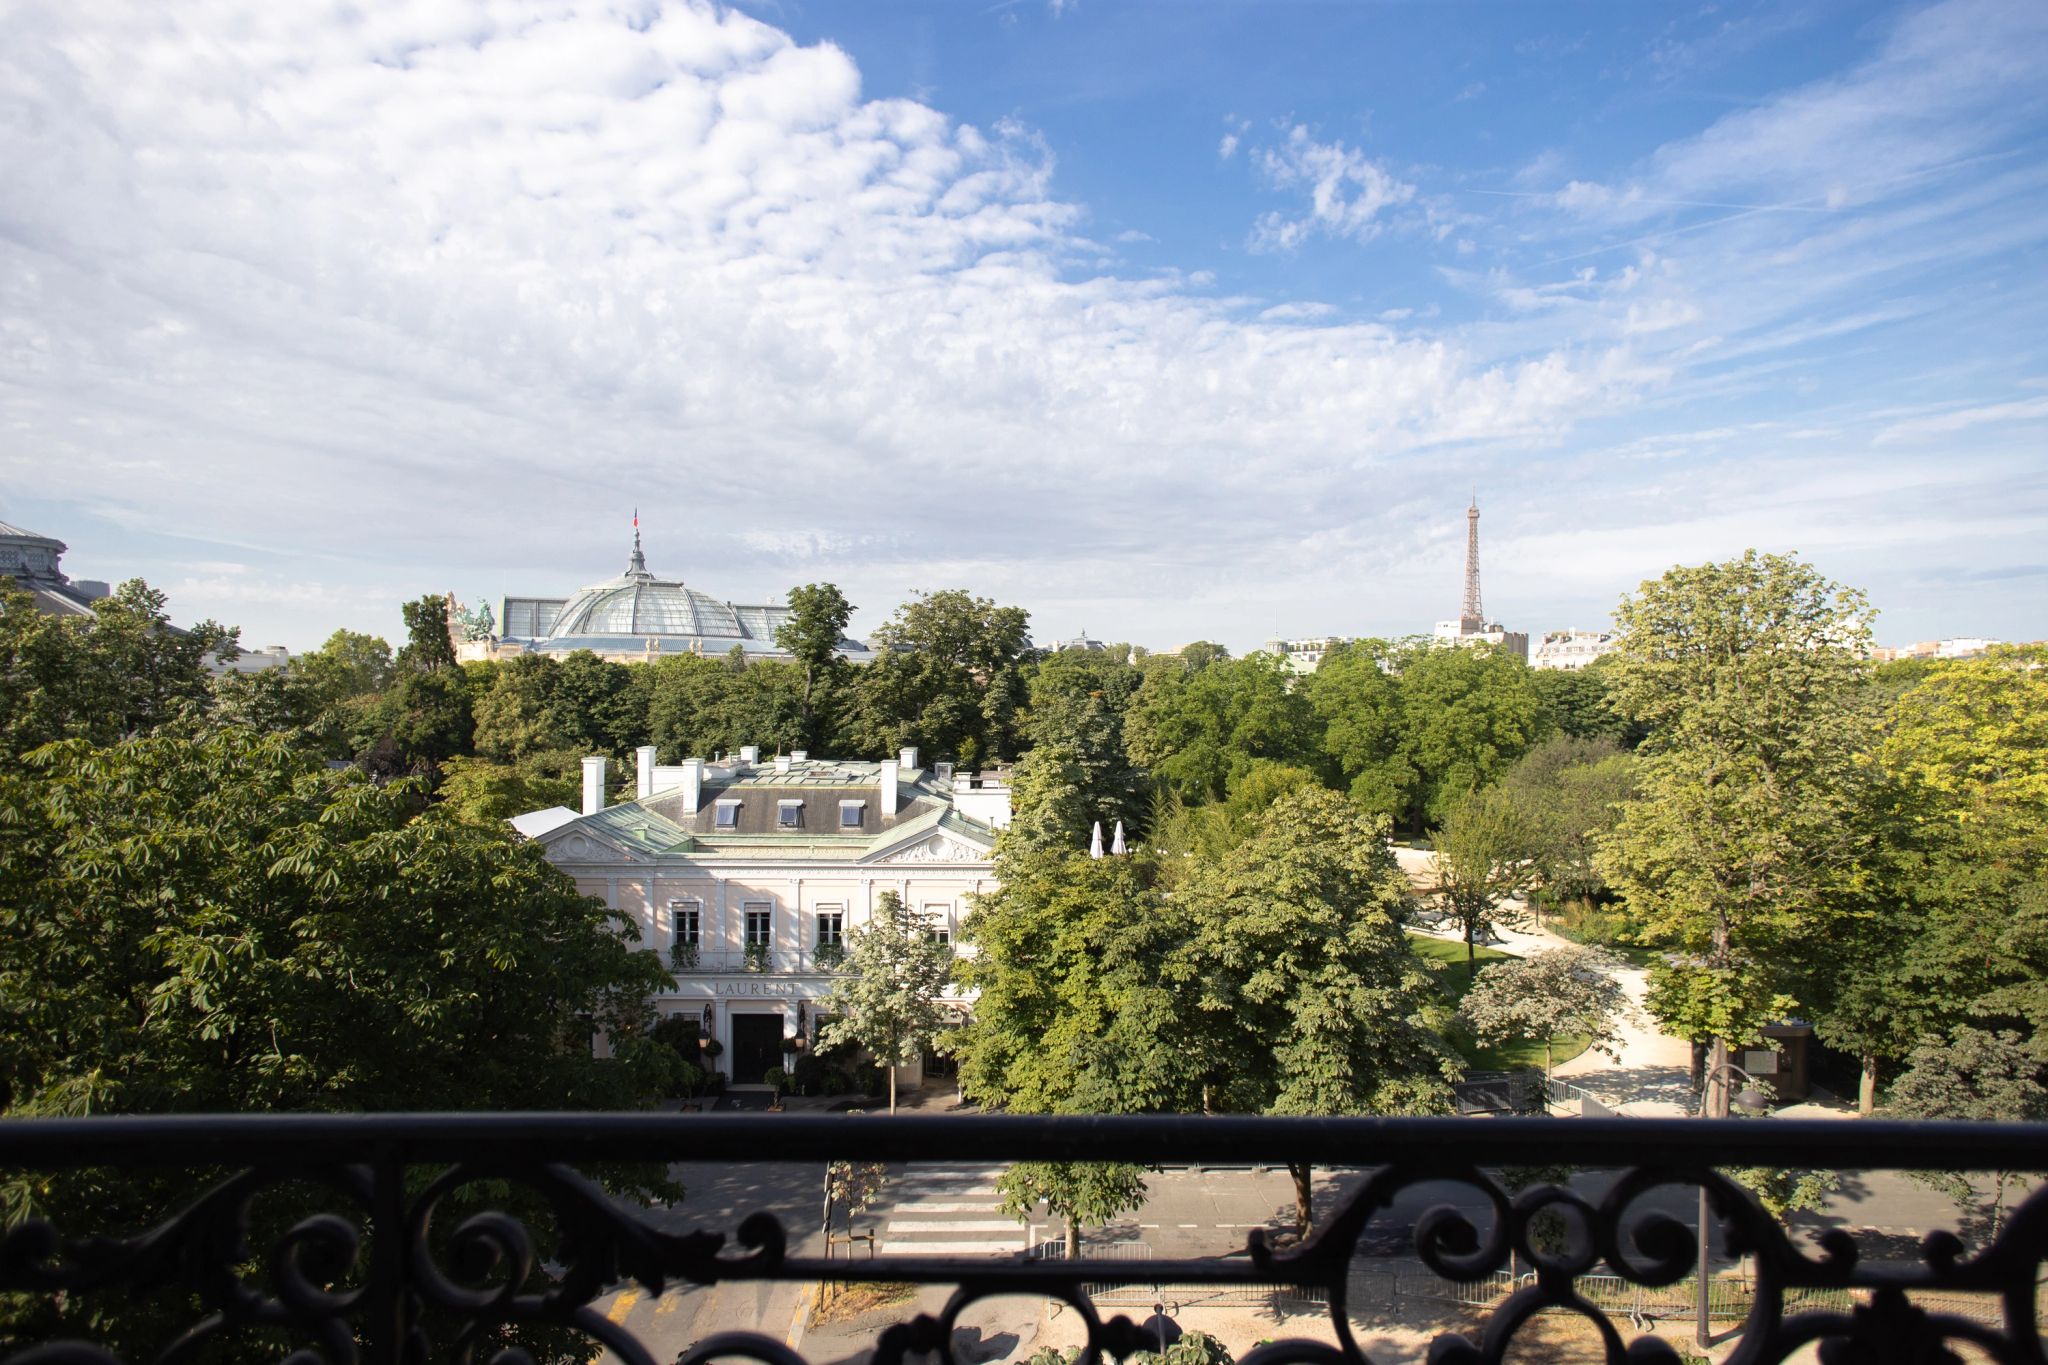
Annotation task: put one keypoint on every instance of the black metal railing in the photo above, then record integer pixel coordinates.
(354, 1266)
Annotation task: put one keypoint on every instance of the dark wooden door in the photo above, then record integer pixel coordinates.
(756, 1046)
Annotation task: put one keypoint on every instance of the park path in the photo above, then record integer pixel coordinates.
(1651, 1075)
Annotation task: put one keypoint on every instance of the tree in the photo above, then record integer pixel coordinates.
(1077, 1191)
(1742, 843)
(1483, 858)
(1553, 994)
(1467, 713)
(350, 664)
(812, 636)
(1977, 1076)
(949, 680)
(1049, 801)
(1197, 729)
(478, 789)
(598, 705)
(1568, 794)
(1311, 999)
(1078, 703)
(125, 670)
(515, 718)
(1356, 696)
(219, 924)
(1073, 1013)
(1579, 704)
(428, 646)
(889, 1003)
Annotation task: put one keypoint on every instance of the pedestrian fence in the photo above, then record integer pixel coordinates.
(1172, 1298)
(1729, 1298)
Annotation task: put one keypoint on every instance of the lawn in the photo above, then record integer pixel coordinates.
(1457, 979)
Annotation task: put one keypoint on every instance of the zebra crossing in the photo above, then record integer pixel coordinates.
(949, 1210)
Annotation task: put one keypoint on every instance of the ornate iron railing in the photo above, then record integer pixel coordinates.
(360, 1270)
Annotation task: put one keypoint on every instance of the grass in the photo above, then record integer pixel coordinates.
(1456, 979)
(846, 1302)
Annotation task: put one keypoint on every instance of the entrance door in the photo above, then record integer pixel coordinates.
(756, 1046)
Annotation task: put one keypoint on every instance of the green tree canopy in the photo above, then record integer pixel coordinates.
(1311, 998)
(889, 1002)
(1557, 993)
(949, 680)
(1485, 855)
(1568, 793)
(1196, 729)
(1743, 842)
(122, 671)
(812, 636)
(1467, 713)
(1356, 695)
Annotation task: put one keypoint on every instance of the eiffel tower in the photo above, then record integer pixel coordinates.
(1472, 618)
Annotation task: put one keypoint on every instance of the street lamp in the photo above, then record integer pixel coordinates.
(1754, 1103)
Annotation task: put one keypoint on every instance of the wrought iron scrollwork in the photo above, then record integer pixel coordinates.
(382, 1271)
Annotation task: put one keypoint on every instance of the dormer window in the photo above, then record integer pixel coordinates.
(850, 814)
(789, 814)
(728, 814)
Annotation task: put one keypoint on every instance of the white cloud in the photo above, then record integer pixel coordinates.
(1227, 148)
(406, 291)
(1347, 191)
(1920, 429)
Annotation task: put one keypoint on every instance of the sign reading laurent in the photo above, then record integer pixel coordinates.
(786, 988)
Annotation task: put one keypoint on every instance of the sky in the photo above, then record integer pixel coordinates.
(1163, 320)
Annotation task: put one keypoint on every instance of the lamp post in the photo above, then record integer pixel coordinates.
(1714, 1105)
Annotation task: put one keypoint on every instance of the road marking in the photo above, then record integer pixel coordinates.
(668, 1302)
(948, 1248)
(623, 1305)
(930, 1206)
(941, 1225)
(1244, 1225)
(1187, 1225)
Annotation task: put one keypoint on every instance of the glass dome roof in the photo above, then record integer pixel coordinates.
(642, 606)
(638, 604)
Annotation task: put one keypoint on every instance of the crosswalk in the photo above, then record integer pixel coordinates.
(948, 1210)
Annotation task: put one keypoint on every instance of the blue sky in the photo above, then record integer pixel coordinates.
(1162, 320)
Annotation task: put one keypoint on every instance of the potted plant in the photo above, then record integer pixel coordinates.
(712, 1047)
(829, 956)
(683, 957)
(775, 1078)
(756, 957)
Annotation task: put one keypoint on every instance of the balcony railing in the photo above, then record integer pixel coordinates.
(775, 961)
(355, 1266)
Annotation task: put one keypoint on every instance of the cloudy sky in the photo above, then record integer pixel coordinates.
(1164, 320)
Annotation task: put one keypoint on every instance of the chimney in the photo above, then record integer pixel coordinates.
(644, 787)
(888, 789)
(782, 763)
(906, 759)
(750, 754)
(799, 755)
(593, 784)
(693, 785)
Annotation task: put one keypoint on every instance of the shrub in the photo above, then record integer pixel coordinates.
(776, 1077)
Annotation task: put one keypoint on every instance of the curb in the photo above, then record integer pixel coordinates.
(800, 1320)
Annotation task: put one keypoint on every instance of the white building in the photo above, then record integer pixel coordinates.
(1302, 656)
(1572, 649)
(749, 875)
(1515, 642)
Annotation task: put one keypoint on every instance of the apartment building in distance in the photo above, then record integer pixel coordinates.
(1572, 649)
(749, 874)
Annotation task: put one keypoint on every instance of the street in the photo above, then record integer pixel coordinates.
(931, 1208)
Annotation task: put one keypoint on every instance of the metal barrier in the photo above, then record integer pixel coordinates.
(396, 1238)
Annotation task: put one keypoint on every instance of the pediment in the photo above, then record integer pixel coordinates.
(936, 848)
(585, 846)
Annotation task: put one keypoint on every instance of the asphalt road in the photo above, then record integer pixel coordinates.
(929, 1206)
